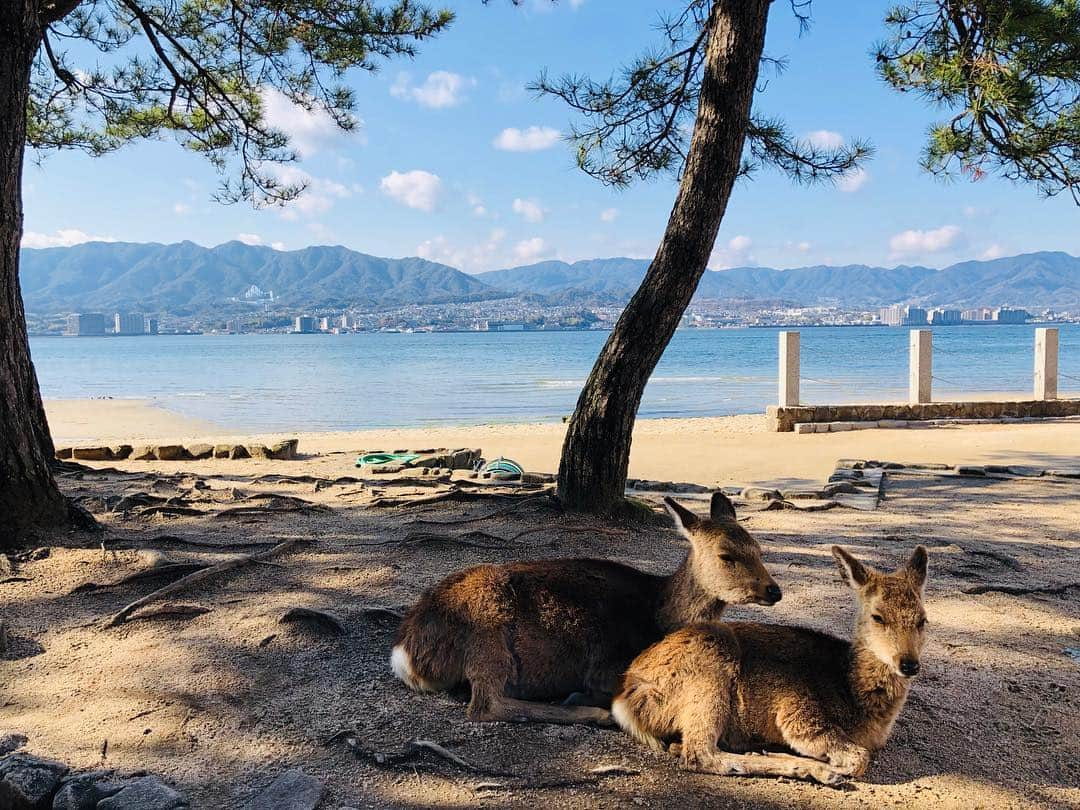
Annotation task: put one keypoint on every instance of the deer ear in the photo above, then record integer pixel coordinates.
(721, 507)
(854, 572)
(916, 567)
(685, 520)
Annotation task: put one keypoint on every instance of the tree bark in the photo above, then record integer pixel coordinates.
(29, 497)
(596, 452)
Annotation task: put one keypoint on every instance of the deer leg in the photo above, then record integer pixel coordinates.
(843, 756)
(511, 710)
(773, 765)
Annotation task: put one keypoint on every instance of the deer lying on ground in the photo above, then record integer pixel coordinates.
(737, 687)
(525, 632)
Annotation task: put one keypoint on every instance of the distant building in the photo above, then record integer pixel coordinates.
(977, 315)
(151, 326)
(504, 326)
(902, 316)
(945, 317)
(304, 325)
(234, 327)
(128, 323)
(1006, 315)
(343, 322)
(325, 324)
(90, 324)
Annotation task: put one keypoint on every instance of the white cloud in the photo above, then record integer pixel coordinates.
(417, 189)
(318, 196)
(440, 89)
(484, 255)
(529, 250)
(532, 139)
(64, 237)
(825, 139)
(853, 181)
(309, 131)
(995, 251)
(609, 214)
(249, 238)
(181, 208)
(531, 210)
(916, 243)
(735, 252)
(803, 247)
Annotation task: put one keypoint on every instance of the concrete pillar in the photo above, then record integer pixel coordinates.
(789, 369)
(921, 366)
(1046, 363)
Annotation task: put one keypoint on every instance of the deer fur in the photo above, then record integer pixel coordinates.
(727, 689)
(526, 632)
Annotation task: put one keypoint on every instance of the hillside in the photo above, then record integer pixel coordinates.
(1035, 279)
(186, 276)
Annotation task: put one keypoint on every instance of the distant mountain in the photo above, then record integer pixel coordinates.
(186, 277)
(1035, 279)
(189, 277)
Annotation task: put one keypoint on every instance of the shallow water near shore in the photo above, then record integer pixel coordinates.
(373, 380)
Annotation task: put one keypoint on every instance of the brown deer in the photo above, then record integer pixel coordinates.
(738, 687)
(526, 632)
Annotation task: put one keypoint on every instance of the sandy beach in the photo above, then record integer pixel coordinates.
(722, 451)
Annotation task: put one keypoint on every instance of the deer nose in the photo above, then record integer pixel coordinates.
(909, 667)
(774, 593)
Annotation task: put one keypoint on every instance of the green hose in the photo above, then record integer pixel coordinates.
(378, 459)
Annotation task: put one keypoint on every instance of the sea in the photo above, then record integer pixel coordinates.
(271, 382)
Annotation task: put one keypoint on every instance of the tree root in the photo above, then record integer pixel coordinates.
(170, 610)
(199, 576)
(154, 572)
(1016, 590)
(524, 500)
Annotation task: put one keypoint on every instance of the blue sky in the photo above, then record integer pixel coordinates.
(458, 163)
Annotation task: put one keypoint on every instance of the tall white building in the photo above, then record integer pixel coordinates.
(129, 323)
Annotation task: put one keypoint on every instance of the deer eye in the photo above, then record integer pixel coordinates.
(727, 558)
(877, 619)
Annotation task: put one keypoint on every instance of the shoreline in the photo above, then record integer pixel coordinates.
(721, 450)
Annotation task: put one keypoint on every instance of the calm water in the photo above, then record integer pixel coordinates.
(346, 382)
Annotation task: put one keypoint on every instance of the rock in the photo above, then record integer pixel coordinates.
(839, 487)
(258, 451)
(143, 453)
(9, 741)
(323, 620)
(387, 469)
(92, 454)
(292, 790)
(1026, 471)
(803, 494)
(464, 459)
(170, 452)
(64, 452)
(837, 427)
(28, 782)
(892, 423)
(121, 451)
(222, 450)
(1065, 473)
(239, 451)
(805, 427)
(761, 494)
(201, 451)
(285, 450)
(971, 469)
(850, 464)
(538, 478)
(83, 792)
(929, 465)
(144, 793)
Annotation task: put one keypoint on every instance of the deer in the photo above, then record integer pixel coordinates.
(523, 633)
(729, 690)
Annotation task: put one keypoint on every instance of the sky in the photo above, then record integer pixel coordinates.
(458, 163)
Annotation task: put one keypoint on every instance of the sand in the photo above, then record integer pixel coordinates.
(221, 702)
(720, 451)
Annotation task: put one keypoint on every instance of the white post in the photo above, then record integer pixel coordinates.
(789, 369)
(1046, 363)
(920, 368)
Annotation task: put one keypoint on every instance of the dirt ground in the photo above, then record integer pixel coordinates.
(220, 702)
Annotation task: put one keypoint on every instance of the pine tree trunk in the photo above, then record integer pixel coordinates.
(29, 497)
(596, 452)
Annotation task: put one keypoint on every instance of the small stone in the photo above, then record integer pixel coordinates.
(971, 469)
(28, 782)
(837, 427)
(143, 453)
(292, 790)
(761, 494)
(92, 454)
(64, 452)
(538, 478)
(83, 792)
(805, 427)
(850, 464)
(222, 450)
(144, 793)
(10, 741)
(258, 451)
(238, 451)
(201, 451)
(121, 451)
(892, 423)
(170, 452)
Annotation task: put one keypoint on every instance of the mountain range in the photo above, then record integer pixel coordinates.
(185, 277)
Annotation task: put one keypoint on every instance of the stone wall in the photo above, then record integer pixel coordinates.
(783, 420)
